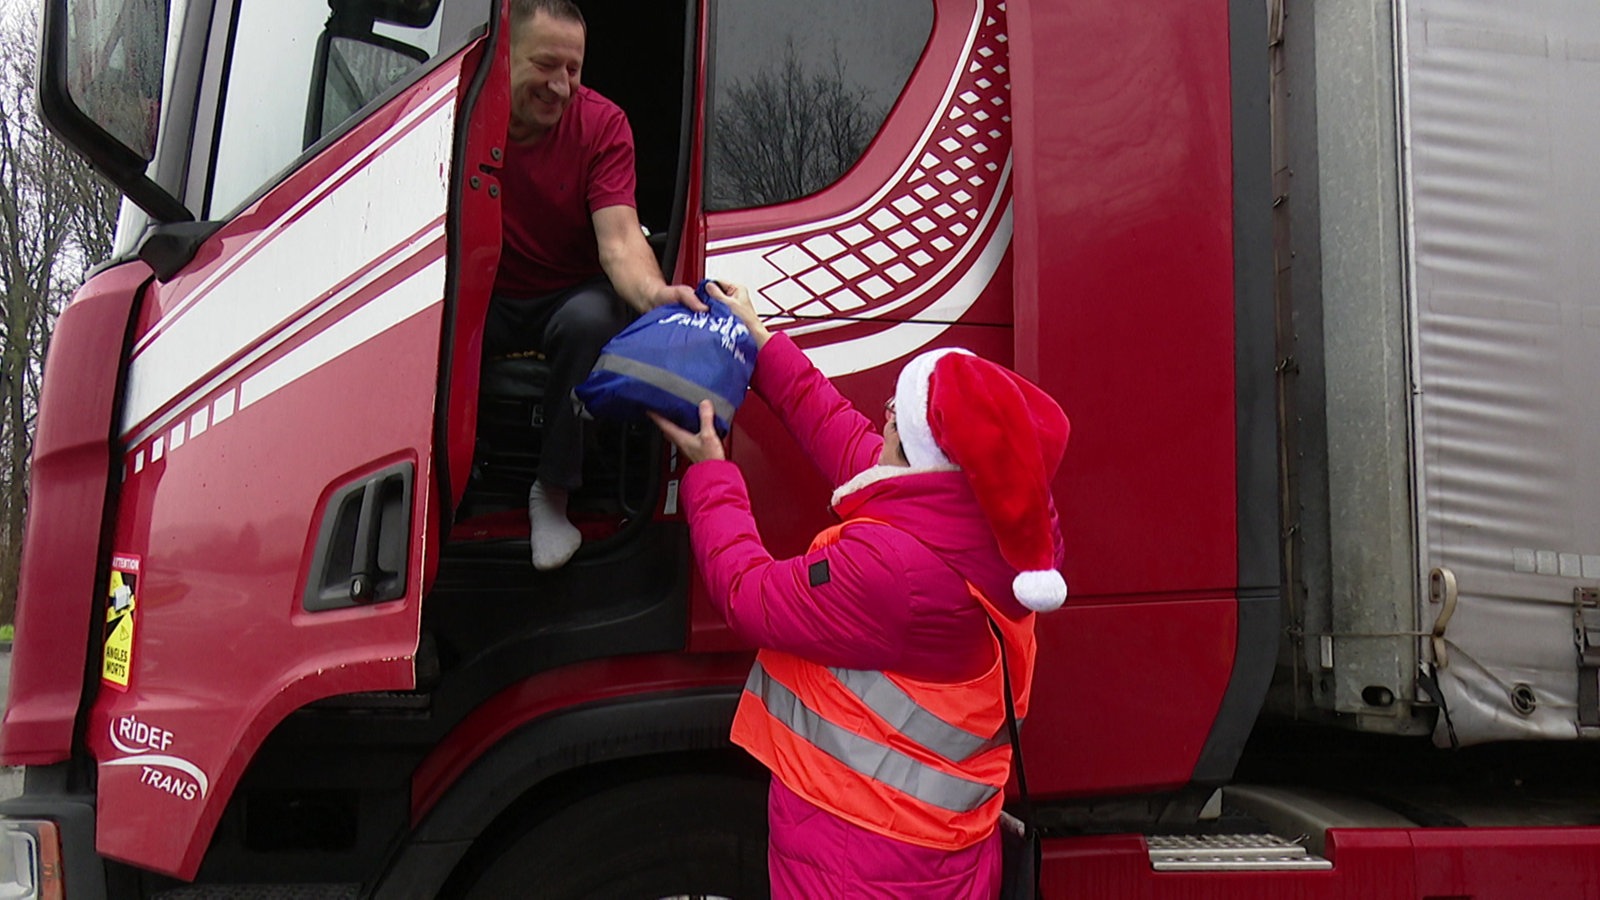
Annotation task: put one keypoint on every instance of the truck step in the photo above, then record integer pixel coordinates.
(262, 892)
(1229, 853)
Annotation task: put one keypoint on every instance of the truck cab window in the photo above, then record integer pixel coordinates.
(796, 95)
(305, 69)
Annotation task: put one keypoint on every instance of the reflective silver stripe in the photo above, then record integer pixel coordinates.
(864, 756)
(905, 715)
(671, 382)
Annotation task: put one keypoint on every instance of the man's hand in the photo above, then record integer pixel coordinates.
(677, 293)
(631, 265)
(737, 296)
(698, 447)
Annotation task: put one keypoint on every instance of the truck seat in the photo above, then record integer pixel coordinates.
(621, 461)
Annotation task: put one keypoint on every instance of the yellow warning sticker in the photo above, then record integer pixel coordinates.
(121, 603)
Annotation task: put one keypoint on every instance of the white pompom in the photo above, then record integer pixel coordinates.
(1040, 590)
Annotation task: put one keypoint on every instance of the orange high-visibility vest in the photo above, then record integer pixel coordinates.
(920, 761)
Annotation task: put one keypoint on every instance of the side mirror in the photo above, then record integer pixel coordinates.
(101, 67)
(409, 13)
(352, 71)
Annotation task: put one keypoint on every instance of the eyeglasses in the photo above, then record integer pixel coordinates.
(888, 406)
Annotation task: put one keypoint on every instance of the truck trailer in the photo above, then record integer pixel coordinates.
(1314, 282)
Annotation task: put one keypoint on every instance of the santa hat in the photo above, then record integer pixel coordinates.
(1007, 436)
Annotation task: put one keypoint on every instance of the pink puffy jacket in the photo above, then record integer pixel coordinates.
(893, 603)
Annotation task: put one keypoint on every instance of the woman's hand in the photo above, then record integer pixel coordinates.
(737, 296)
(698, 447)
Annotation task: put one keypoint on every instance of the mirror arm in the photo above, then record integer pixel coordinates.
(153, 199)
(120, 165)
(124, 170)
(168, 248)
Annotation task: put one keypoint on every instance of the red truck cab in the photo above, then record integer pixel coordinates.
(277, 625)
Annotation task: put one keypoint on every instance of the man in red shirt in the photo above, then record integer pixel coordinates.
(574, 264)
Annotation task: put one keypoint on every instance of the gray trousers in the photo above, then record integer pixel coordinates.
(569, 327)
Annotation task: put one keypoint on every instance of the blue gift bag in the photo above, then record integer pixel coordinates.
(669, 360)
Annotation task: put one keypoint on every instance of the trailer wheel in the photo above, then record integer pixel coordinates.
(666, 837)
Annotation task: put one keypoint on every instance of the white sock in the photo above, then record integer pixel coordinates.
(552, 538)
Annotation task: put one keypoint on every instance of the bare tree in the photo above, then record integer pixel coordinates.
(785, 132)
(57, 219)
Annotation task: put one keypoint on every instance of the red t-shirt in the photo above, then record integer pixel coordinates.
(550, 188)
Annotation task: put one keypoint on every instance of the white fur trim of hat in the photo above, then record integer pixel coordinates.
(911, 409)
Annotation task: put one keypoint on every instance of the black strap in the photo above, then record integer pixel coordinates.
(1025, 802)
(1429, 682)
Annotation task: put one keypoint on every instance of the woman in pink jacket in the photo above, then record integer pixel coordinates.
(882, 631)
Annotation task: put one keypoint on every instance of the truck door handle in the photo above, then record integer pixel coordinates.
(363, 548)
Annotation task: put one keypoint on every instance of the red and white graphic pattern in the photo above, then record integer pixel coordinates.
(936, 217)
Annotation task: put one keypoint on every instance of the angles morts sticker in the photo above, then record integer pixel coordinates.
(121, 605)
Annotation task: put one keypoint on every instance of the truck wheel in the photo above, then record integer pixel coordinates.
(667, 837)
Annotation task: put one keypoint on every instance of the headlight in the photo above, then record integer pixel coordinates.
(30, 860)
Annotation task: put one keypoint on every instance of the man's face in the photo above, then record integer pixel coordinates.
(546, 62)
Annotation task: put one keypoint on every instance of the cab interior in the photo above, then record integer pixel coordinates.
(489, 611)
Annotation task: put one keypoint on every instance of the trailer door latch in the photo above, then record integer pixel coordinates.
(1586, 628)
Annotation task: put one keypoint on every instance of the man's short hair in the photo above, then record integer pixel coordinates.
(563, 10)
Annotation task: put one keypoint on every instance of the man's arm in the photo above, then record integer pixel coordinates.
(631, 265)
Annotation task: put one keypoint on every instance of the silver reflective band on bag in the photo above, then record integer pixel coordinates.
(678, 386)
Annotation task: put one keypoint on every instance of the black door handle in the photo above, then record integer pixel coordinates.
(363, 548)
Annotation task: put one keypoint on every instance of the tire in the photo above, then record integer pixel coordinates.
(669, 836)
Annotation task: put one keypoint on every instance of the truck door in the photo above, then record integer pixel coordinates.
(279, 497)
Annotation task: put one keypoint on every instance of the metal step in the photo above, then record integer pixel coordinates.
(262, 892)
(1229, 853)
